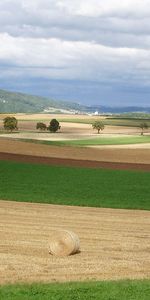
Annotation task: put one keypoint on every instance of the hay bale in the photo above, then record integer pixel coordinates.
(64, 243)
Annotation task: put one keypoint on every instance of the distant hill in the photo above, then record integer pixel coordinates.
(11, 102)
(118, 109)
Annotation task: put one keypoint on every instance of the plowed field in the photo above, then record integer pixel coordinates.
(137, 156)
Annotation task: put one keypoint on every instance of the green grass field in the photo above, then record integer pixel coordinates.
(131, 122)
(110, 141)
(100, 140)
(74, 186)
(121, 290)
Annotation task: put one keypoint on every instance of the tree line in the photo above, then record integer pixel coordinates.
(11, 123)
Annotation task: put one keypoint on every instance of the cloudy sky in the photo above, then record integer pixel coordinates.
(89, 51)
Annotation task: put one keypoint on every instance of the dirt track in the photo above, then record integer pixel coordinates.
(114, 243)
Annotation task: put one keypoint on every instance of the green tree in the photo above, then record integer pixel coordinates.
(143, 126)
(98, 125)
(10, 123)
(53, 126)
(41, 126)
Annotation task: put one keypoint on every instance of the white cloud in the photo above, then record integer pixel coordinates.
(55, 58)
(96, 40)
(75, 19)
(134, 8)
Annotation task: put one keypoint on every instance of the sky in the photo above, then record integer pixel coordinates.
(88, 51)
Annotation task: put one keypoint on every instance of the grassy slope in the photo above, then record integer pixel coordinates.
(13, 102)
(126, 122)
(122, 290)
(101, 141)
(132, 122)
(74, 186)
(93, 141)
(111, 141)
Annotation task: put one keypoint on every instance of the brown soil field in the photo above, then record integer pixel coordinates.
(128, 146)
(73, 162)
(137, 156)
(115, 244)
(26, 116)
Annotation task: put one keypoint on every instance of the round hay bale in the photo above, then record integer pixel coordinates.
(64, 243)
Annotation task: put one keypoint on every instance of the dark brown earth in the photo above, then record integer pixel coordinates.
(73, 162)
(136, 156)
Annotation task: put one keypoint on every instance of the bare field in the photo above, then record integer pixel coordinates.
(26, 116)
(128, 146)
(140, 156)
(69, 131)
(115, 244)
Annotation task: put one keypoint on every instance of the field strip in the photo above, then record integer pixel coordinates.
(128, 146)
(73, 162)
(139, 156)
(115, 244)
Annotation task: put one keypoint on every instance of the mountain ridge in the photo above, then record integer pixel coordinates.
(16, 102)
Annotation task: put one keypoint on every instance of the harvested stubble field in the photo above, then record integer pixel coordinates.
(46, 117)
(115, 244)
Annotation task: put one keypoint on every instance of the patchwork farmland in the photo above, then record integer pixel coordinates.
(102, 194)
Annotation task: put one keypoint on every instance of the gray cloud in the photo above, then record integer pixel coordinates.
(78, 20)
(99, 41)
